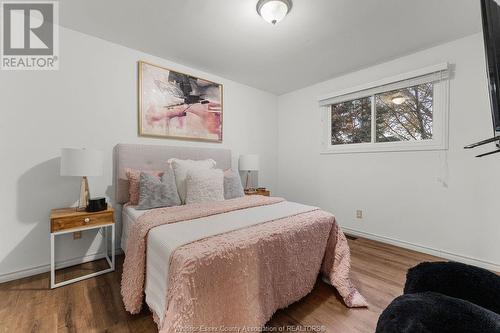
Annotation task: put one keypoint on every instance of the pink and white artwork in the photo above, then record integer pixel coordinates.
(177, 105)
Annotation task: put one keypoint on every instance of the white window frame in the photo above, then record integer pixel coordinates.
(440, 112)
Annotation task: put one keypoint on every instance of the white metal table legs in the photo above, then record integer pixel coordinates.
(110, 260)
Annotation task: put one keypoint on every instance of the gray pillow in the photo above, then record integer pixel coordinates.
(156, 193)
(232, 185)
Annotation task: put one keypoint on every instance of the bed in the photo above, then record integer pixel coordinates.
(232, 263)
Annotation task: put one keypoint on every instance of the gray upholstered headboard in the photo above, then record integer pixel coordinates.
(154, 157)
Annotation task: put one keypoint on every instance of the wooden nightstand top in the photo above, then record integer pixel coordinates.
(266, 193)
(72, 212)
(70, 218)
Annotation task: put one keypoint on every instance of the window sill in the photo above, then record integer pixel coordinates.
(382, 147)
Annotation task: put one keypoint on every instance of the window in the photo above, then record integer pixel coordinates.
(391, 115)
(405, 114)
(351, 121)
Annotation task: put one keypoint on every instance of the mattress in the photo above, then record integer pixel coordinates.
(129, 217)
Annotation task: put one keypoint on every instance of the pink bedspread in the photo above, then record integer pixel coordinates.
(239, 279)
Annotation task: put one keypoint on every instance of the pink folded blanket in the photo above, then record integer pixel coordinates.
(242, 277)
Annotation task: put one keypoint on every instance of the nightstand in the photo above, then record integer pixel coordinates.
(69, 220)
(265, 193)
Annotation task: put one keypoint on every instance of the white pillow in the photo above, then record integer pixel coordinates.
(204, 185)
(181, 167)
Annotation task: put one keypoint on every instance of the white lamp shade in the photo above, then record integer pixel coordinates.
(81, 162)
(249, 162)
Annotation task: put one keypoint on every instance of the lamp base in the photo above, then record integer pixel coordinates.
(248, 186)
(84, 195)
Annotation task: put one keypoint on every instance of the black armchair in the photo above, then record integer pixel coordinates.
(445, 297)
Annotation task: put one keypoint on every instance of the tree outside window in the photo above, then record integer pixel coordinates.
(400, 115)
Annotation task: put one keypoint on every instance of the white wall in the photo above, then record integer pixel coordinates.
(92, 102)
(439, 202)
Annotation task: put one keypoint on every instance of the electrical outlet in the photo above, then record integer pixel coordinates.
(359, 214)
(77, 235)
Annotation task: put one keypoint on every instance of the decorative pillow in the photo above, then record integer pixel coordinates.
(232, 185)
(204, 185)
(133, 177)
(181, 168)
(155, 192)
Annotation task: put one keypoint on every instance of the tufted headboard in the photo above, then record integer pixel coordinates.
(154, 157)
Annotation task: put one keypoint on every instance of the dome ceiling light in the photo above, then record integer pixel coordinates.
(273, 11)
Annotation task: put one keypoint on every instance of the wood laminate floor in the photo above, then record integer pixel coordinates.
(95, 305)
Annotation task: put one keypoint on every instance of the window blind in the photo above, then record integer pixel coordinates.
(435, 76)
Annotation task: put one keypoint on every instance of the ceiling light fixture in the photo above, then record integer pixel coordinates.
(274, 11)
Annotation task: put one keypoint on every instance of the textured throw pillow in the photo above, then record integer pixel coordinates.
(156, 193)
(133, 177)
(181, 168)
(204, 185)
(232, 185)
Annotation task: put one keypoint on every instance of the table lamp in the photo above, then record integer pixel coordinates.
(81, 163)
(248, 163)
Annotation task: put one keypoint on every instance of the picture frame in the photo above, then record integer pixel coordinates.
(176, 105)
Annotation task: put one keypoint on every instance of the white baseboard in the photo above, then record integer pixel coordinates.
(46, 268)
(424, 249)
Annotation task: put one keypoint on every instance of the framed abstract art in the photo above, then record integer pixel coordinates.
(178, 106)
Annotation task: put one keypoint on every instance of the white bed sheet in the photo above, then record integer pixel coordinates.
(129, 217)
